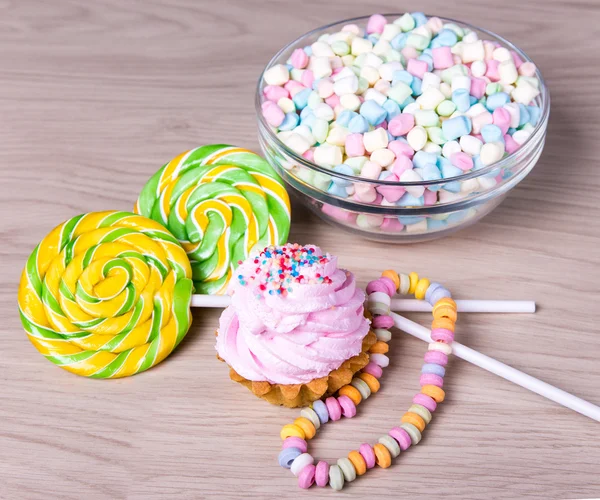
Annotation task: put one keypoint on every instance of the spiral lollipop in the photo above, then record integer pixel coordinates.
(106, 294)
(220, 202)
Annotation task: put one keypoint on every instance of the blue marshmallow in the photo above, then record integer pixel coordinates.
(403, 76)
(289, 122)
(337, 190)
(342, 169)
(409, 200)
(492, 133)
(409, 220)
(497, 100)
(421, 158)
(358, 125)
(435, 225)
(462, 100)
(301, 98)
(446, 38)
(419, 17)
(373, 112)
(534, 114)
(344, 117)
(416, 86)
(456, 127)
(392, 109)
(399, 41)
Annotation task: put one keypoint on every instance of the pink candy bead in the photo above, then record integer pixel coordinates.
(296, 442)
(442, 335)
(322, 473)
(437, 357)
(391, 193)
(462, 161)
(442, 57)
(431, 379)
(348, 406)
(333, 408)
(401, 124)
(391, 225)
(376, 24)
(354, 145)
(273, 113)
(274, 93)
(400, 435)
(368, 454)
(400, 148)
(416, 67)
(384, 285)
(306, 478)
(373, 369)
(492, 70)
(299, 59)
(425, 400)
(501, 118)
(383, 321)
(477, 87)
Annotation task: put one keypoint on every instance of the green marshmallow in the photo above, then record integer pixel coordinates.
(446, 108)
(406, 22)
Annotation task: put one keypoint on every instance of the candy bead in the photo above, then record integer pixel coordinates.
(371, 381)
(307, 426)
(431, 379)
(414, 279)
(425, 401)
(436, 393)
(423, 412)
(379, 347)
(442, 335)
(348, 407)
(295, 442)
(310, 414)
(391, 444)
(320, 409)
(373, 369)
(336, 477)
(443, 323)
(421, 288)
(392, 275)
(352, 393)
(441, 347)
(414, 419)
(383, 335)
(347, 469)
(413, 432)
(322, 473)
(306, 478)
(358, 462)
(333, 408)
(383, 321)
(404, 284)
(383, 458)
(380, 359)
(292, 430)
(287, 456)
(439, 358)
(434, 369)
(362, 387)
(300, 462)
(368, 455)
(402, 437)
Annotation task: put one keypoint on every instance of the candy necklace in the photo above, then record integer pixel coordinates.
(295, 456)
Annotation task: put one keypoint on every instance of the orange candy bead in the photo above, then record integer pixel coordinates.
(393, 275)
(445, 323)
(352, 392)
(379, 347)
(445, 312)
(435, 392)
(445, 302)
(416, 420)
(307, 426)
(371, 381)
(358, 461)
(382, 456)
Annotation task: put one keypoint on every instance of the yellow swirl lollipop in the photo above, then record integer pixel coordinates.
(106, 294)
(221, 203)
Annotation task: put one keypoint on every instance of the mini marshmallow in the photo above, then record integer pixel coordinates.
(376, 139)
(450, 148)
(491, 153)
(417, 138)
(470, 145)
(277, 75)
(430, 98)
(327, 155)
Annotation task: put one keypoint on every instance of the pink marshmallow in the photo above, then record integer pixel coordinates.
(354, 145)
(400, 148)
(365, 193)
(339, 213)
(456, 59)
(429, 198)
(462, 161)
(390, 225)
(401, 165)
(516, 59)
(409, 53)
(401, 124)
(492, 70)
(477, 87)
(442, 57)
(307, 78)
(416, 68)
(309, 154)
(371, 170)
(383, 125)
(527, 69)
(299, 59)
(274, 92)
(481, 120)
(333, 100)
(501, 118)
(376, 24)
(510, 144)
(391, 193)
(293, 87)
(273, 113)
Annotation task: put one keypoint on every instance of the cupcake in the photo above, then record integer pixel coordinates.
(296, 328)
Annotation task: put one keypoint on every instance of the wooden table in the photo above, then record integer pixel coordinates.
(96, 95)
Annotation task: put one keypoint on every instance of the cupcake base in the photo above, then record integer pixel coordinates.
(296, 395)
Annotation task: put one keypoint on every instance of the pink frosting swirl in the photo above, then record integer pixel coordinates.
(306, 330)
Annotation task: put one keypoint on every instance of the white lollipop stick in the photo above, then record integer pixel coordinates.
(407, 305)
(506, 372)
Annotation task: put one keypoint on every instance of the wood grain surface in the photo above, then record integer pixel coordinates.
(97, 94)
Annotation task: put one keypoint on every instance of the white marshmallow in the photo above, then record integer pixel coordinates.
(375, 139)
(470, 145)
(430, 80)
(382, 86)
(515, 113)
(286, 104)
(297, 143)
(470, 37)
(383, 157)
(419, 227)
(412, 108)
(491, 152)
(508, 72)
(417, 138)
(348, 85)
(390, 31)
(432, 147)
(382, 47)
(370, 74)
(344, 73)
(461, 82)
(501, 54)
(449, 148)
(327, 155)
(446, 89)
(430, 98)
(277, 75)
(475, 110)
(469, 186)
(322, 49)
(412, 176)
(374, 95)
(520, 136)
(387, 70)
(320, 66)
(350, 101)
(320, 129)
(472, 51)
(478, 68)
(524, 93)
(337, 136)
(372, 60)
(305, 132)
(360, 46)
(324, 111)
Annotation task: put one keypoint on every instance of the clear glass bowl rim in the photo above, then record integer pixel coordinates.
(536, 135)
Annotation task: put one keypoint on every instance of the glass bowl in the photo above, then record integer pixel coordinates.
(467, 197)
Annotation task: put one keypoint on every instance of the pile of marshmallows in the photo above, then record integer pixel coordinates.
(406, 101)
